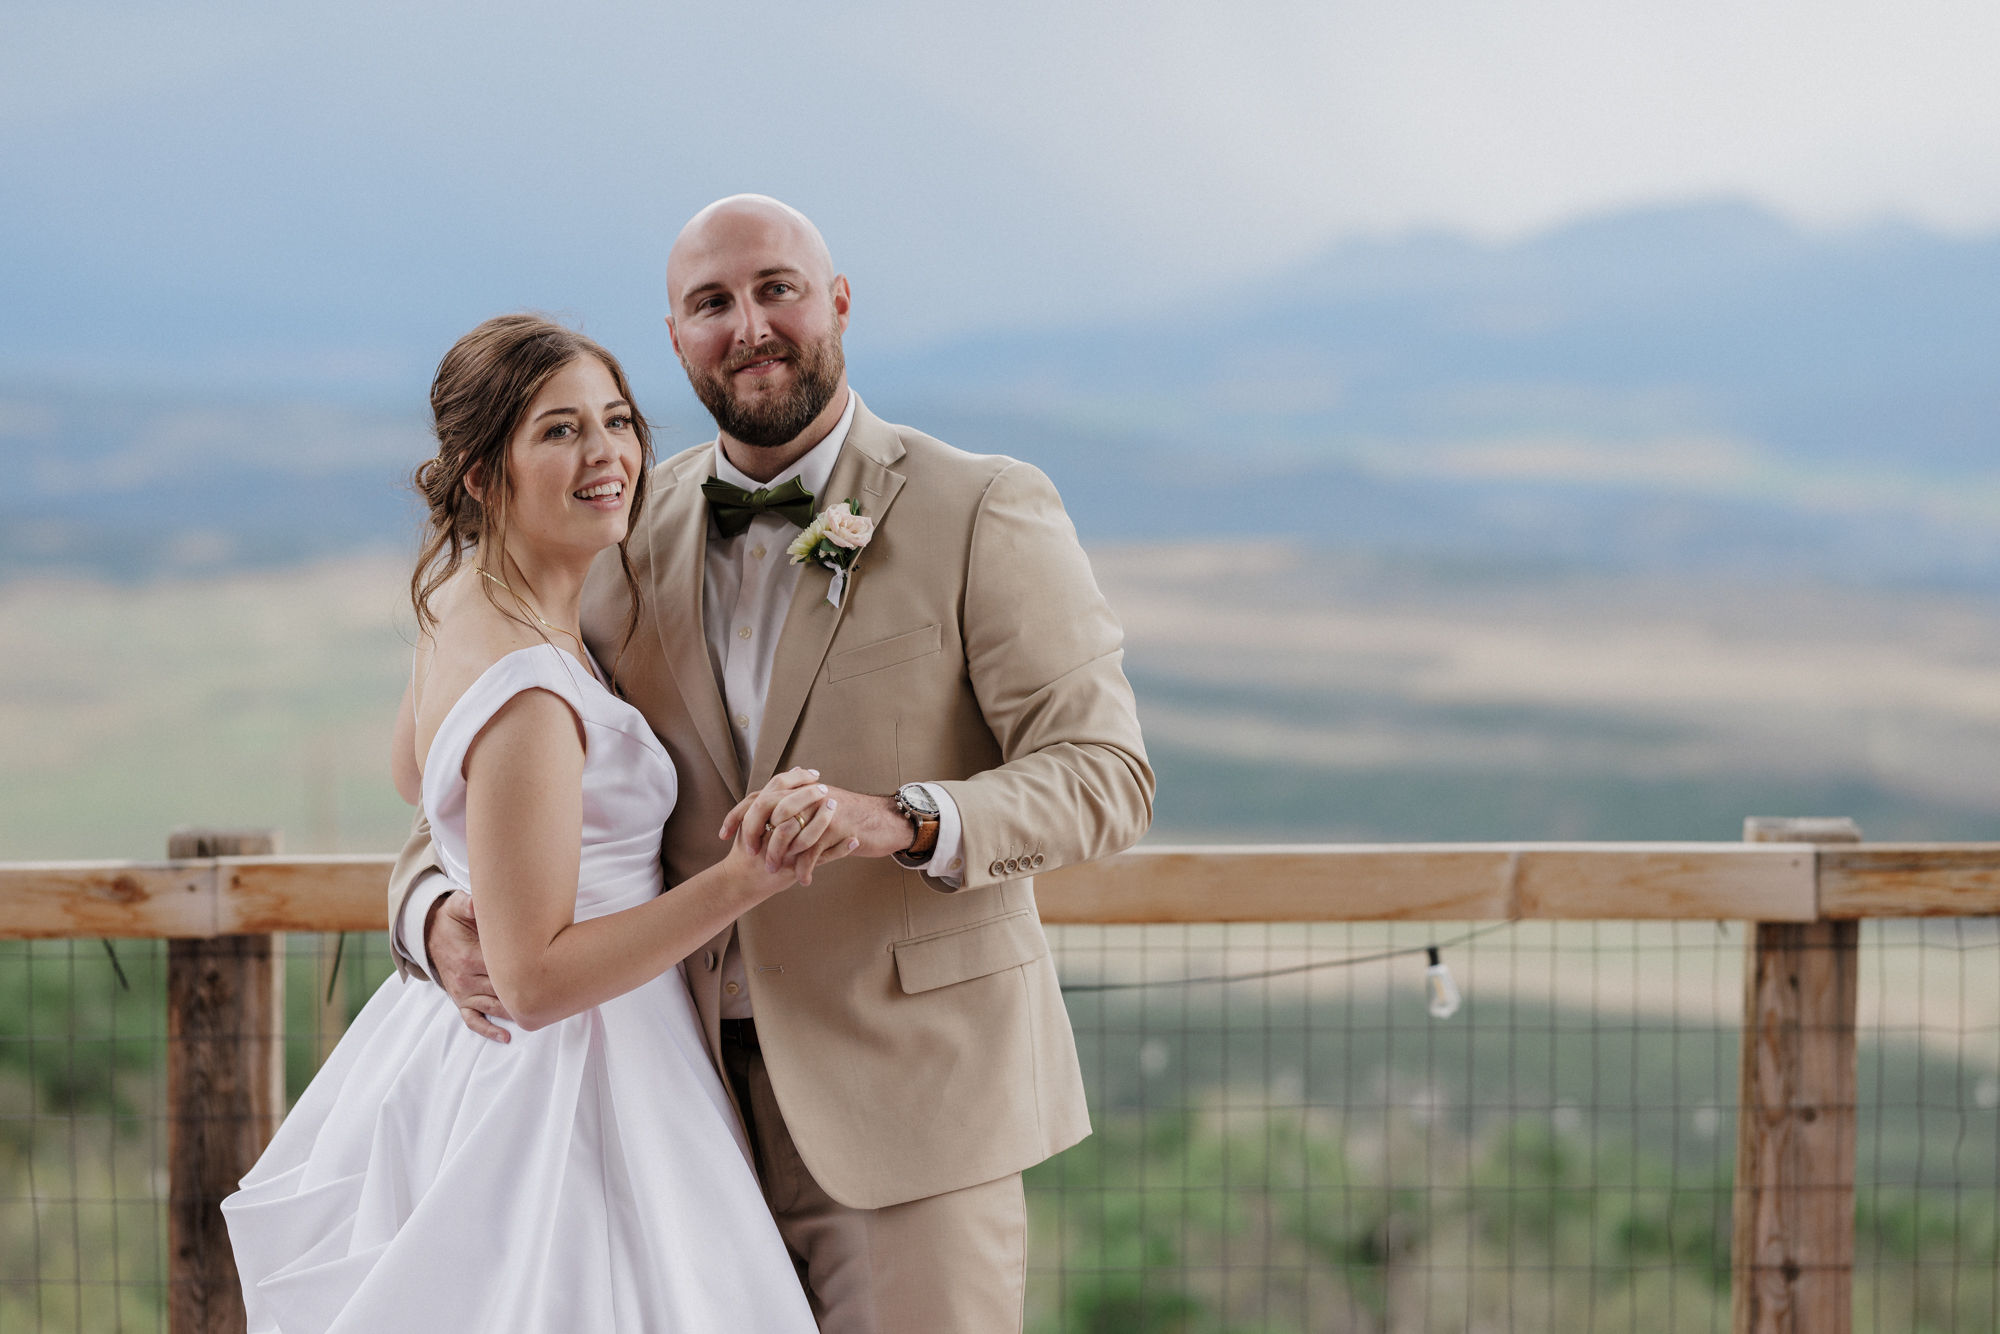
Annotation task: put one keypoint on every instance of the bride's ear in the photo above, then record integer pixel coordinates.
(475, 482)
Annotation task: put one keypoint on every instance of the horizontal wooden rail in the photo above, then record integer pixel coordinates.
(221, 896)
(1803, 882)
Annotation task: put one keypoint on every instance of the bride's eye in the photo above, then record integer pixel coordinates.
(560, 431)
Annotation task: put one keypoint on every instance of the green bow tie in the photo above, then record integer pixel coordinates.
(734, 508)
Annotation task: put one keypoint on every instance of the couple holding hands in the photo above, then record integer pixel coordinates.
(722, 1002)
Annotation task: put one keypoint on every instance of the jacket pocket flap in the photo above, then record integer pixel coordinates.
(966, 952)
(883, 653)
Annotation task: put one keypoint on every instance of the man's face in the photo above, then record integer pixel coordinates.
(757, 320)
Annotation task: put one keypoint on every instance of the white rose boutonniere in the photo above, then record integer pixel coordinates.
(834, 540)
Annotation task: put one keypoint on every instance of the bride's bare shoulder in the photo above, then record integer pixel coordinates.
(469, 635)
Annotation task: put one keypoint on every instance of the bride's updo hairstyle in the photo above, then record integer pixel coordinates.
(482, 390)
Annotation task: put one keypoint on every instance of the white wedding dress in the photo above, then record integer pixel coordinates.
(587, 1177)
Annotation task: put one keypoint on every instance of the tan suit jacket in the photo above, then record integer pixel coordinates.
(916, 1038)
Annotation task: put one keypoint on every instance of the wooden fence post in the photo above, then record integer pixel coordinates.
(225, 1092)
(1792, 1239)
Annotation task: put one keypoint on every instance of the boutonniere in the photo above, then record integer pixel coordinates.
(835, 539)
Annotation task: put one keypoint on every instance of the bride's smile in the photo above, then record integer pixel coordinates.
(572, 462)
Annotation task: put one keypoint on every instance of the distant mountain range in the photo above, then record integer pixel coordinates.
(1876, 346)
(1694, 386)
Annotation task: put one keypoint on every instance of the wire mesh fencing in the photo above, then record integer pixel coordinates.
(84, 1116)
(1285, 1137)
(82, 1136)
(1307, 1148)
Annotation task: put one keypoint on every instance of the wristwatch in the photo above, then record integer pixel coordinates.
(913, 803)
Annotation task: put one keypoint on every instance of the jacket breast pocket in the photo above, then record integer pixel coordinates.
(883, 653)
(926, 963)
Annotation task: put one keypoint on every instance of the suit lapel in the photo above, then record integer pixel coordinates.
(862, 472)
(679, 535)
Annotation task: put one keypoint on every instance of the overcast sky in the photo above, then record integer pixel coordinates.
(228, 195)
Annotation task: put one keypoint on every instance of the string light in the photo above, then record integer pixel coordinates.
(1443, 991)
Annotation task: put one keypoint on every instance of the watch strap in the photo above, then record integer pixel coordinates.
(926, 826)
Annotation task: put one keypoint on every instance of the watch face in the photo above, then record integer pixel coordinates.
(917, 799)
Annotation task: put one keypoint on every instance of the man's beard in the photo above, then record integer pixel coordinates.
(772, 421)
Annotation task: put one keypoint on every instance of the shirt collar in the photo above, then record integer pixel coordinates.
(814, 470)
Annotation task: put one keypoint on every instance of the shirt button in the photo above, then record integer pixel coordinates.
(731, 988)
(742, 720)
(708, 960)
(956, 862)
(756, 553)
(743, 633)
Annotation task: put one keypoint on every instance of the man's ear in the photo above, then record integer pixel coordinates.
(674, 334)
(843, 299)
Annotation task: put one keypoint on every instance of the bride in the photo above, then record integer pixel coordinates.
(589, 1172)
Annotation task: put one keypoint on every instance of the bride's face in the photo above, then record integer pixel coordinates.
(573, 460)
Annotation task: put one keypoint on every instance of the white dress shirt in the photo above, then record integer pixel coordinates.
(747, 587)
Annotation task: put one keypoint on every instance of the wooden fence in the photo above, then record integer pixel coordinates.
(221, 899)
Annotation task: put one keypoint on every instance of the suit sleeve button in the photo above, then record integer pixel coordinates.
(1013, 865)
(997, 868)
(1037, 862)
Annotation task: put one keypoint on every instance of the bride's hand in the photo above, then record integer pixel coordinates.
(794, 838)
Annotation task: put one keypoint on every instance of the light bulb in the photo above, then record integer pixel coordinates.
(1442, 990)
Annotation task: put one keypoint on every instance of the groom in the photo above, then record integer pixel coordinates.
(893, 1034)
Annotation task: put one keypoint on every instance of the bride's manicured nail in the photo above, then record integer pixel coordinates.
(831, 803)
(853, 843)
(813, 772)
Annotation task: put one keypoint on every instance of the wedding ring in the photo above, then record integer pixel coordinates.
(803, 821)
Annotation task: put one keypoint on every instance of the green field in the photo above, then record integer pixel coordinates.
(1286, 694)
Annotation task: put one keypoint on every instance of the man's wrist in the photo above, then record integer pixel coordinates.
(409, 929)
(892, 830)
(430, 917)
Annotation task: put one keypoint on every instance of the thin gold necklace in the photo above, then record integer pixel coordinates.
(527, 606)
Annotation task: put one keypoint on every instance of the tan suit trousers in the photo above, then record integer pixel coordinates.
(949, 1264)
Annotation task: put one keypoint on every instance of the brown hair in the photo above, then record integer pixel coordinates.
(483, 387)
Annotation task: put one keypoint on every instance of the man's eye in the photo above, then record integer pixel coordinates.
(779, 289)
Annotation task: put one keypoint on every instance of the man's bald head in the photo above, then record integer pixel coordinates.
(757, 313)
(746, 222)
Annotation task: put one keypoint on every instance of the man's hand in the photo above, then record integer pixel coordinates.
(872, 824)
(451, 936)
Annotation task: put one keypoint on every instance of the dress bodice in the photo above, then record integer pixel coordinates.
(629, 782)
